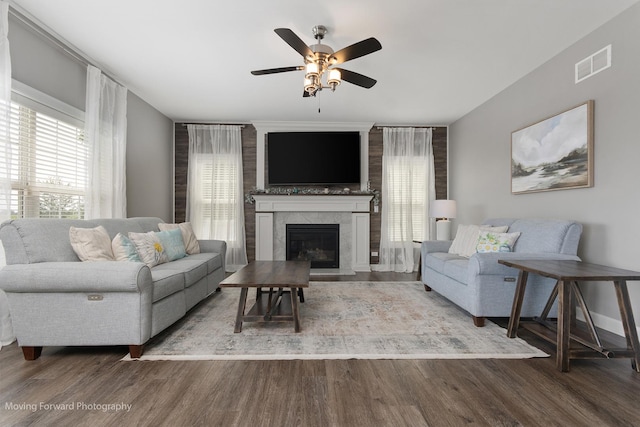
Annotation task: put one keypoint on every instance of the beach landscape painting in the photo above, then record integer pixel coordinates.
(555, 153)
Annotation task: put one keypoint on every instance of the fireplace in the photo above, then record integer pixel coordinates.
(318, 243)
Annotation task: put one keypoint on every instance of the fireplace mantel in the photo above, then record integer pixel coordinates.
(312, 203)
(357, 205)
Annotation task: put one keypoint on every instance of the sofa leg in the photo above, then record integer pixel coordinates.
(136, 351)
(31, 353)
(478, 321)
(427, 288)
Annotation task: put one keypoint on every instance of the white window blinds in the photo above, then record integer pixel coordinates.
(48, 166)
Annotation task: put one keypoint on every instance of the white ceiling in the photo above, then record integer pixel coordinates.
(440, 59)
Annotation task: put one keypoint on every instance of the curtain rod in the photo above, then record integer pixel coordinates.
(49, 35)
(184, 125)
(406, 127)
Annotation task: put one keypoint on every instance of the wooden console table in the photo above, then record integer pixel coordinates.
(567, 274)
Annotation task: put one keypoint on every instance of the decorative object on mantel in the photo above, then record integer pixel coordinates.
(319, 57)
(248, 197)
(442, 210)
(555, 153)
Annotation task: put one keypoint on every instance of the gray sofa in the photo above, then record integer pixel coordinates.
(483, 287)
(56, 300)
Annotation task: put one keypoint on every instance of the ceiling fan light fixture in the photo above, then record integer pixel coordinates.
(333, 78)
(312, 69)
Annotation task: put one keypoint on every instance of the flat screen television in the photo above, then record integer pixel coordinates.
(313, 158)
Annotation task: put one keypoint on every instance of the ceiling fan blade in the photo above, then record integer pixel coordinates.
(357, 50)
(305, 94)
(356, 78)
(294, 41)
(276, 70)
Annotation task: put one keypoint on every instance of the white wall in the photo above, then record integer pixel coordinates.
(609, 211)
(42, 65)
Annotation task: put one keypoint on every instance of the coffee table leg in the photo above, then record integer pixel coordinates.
(241, 305)
(294, 310)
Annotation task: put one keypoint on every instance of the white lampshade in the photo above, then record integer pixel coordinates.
(443, 209)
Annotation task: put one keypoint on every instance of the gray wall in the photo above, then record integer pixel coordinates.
(480, 155)
(44, 66)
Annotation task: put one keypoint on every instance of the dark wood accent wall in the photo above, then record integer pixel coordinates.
(249, 144)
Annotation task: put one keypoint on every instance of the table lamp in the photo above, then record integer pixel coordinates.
(442, 210)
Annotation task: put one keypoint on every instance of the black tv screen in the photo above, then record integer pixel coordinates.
(313, 158)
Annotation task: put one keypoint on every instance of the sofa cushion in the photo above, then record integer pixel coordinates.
(213, 260)
(192, 269)
(436, 260)
(540, 235)
(91, 244)
(457, 269)
(166, 282)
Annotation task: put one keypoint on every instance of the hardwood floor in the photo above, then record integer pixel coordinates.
(496, 392)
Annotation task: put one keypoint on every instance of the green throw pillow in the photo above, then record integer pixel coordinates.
(496, 242)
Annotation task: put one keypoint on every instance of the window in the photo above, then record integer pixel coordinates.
(215, 197)
(48, 162)
(407, 193)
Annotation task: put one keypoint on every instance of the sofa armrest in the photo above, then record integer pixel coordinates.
(429, 246)
(50, 277)
(487, 263)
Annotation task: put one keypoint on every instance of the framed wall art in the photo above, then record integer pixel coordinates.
(555, 153)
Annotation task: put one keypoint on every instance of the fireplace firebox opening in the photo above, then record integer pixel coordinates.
(318, 243)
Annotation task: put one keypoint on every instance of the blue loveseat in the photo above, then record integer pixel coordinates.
(484, 288)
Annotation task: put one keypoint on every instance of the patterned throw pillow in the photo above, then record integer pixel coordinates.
(466, 240)
(149, 248)
(188, 236)
(496, 242)
(91, 244)
(124, 249)
(172, 243)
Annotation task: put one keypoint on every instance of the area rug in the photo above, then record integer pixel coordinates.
(340, 320)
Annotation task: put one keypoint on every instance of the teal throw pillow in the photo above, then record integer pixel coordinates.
(172, 243)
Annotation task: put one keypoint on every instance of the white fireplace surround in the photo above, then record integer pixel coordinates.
(273, 212)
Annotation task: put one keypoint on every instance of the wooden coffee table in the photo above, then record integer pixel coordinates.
(271, 306)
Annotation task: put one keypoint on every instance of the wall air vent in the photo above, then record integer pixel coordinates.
(601, 60)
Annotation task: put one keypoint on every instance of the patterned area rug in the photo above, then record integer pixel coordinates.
(340, 320)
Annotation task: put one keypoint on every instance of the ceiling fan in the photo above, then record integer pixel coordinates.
(320, 59)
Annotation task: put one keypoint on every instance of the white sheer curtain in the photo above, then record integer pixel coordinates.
(6, 331)
(106, 134)
(408, 187)
(215, 197)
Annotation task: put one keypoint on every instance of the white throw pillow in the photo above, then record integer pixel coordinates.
(91, 244)
(488, 241)
(466, 240)
(149, 248)
(191, 244)
(124, 249)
